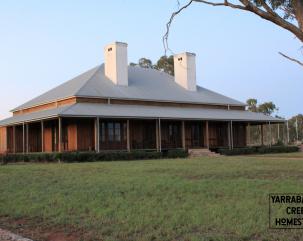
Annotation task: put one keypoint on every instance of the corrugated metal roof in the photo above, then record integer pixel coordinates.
(144, 84)
(140, 111)
(33, 116)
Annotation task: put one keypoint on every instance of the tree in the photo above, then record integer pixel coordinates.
(287, 14)
(252, 105)
(145, 63)
(292, 124)
(267, 108)
(166, 64)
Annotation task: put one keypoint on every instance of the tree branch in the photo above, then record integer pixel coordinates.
(266, 12)
(165, 37)
(268, 8)
(291, 59)
(225, 3)
(269, 14)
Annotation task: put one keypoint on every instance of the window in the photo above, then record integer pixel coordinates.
(102, 132)
(110, 127)
(173, 132)
(112, 135)
(124, 132)
(117, 131)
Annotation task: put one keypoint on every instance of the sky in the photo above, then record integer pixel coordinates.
(45, 43)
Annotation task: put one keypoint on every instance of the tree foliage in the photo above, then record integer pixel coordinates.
(165, 64)
(145, 63)
(252, 105)
(295, 123)
(267, 108)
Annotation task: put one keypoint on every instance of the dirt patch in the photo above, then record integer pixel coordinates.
(38, 230)
(8, 236)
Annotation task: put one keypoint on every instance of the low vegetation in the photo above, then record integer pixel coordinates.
(258, 150)
(221, 198)
(69, 157)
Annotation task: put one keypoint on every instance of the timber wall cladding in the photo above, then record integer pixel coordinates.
(239, 134)
(218, 134)
(171, 134)
(73, 100)
(3, 140)
(10, 140)
(85, 134)
(51, 135)
(47, 106)
(34, 137)
(19, 139)
(143, 134)
(70, 130)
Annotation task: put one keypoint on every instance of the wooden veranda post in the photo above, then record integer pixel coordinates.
(97, 134)
(42, 136)
(248, 134)
(14, 139)
(23, 138)
(207, 134)
(229, 137)
(270, 134)
(157, 135)
(262, 136)
(128, 136)
(27, 144)
(60, 135)
(183, 135)
(287, 131)
(160, 147)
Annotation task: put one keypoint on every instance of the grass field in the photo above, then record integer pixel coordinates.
(224, 198)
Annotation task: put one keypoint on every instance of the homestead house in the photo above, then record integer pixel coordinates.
(115, 106)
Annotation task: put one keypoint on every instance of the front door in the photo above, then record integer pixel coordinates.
(193, 134)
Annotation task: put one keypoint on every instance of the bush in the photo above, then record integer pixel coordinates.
(179, 153)
(258, 150)
(70, 157)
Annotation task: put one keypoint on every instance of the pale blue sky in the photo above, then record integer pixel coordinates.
(44, 43)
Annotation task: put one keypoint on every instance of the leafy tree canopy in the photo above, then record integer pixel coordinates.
(267, 108)
(165, 64)
(145, 63)
(287, 14)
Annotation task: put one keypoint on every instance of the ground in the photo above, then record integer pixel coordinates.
(218, 198)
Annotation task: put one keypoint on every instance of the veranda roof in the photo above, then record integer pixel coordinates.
(140, 111)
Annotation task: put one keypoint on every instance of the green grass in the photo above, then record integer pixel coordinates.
(223, 198)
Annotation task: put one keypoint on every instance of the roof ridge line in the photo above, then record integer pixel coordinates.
(93, 74)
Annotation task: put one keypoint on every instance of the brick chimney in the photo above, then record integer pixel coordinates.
(185, 70)
(116, 64)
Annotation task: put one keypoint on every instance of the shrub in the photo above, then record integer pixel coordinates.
(258, 150)
(178, 153)
(70, 157)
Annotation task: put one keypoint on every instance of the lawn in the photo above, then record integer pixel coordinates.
(223, 198)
